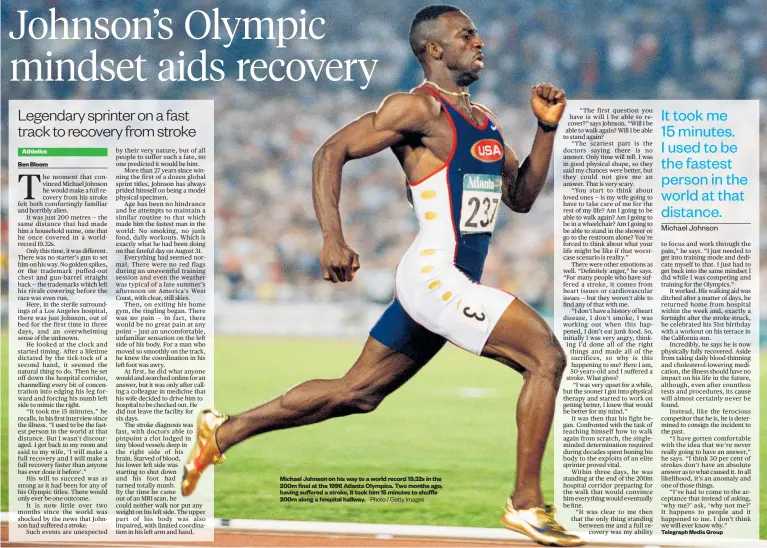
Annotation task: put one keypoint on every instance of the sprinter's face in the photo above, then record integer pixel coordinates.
(461, 46)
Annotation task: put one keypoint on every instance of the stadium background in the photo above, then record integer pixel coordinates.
(267, 242)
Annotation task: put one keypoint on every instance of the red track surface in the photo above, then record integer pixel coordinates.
(255, 539)
(249, 539)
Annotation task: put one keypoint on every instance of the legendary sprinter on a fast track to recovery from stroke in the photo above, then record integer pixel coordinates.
(459, 170)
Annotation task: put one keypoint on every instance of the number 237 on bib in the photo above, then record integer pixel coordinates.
(480, 203)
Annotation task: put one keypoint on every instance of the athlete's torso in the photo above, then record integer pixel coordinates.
(457, 204)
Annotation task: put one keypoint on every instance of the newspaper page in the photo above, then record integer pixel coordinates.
(111, 311)
(159, 166)
(657, 304)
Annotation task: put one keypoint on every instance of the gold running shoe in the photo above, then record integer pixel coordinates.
(539, 524)
(205, 451)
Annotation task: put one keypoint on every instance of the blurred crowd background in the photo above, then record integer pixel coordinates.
(267, 239)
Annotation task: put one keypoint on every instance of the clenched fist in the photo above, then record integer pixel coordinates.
(338, 261)
(548, 103)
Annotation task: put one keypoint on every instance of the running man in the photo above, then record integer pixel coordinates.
(459, 171)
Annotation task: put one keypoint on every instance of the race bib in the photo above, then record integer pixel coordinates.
(481, 200)
(473, 316)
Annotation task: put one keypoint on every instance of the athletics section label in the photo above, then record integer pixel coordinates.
(111, 317)
(656, 273)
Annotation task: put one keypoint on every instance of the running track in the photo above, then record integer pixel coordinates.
(250, 539)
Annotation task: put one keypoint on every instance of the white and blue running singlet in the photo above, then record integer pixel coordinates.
(437, 291)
